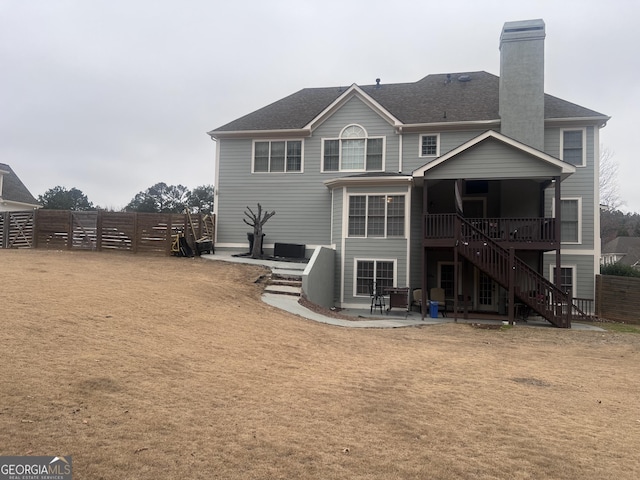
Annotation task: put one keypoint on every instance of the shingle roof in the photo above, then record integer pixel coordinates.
(13, 189)
(622, 244)
(467, 96)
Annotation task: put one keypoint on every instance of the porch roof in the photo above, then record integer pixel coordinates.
(370, 179)
(522, 152)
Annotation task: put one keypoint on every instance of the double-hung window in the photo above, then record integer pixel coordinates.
(378, 272)
(277, 156)
(567, 281)
(429, 145)
(353, 151)
(573, 149)
(376, 216)
(570, 220)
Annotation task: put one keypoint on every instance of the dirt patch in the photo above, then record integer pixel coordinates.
(161, 367)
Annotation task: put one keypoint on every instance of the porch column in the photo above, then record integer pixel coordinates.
(558, 233)
(423, 250)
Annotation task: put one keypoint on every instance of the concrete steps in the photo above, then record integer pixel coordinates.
(285, 282)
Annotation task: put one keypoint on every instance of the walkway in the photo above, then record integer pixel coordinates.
(362, 318)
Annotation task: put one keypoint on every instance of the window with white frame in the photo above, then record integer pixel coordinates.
(370, 272)
(572, 148)
(429, 145)
(570, 220)
(376, 215)
(277, 156)
(567, 279)
(353, 151)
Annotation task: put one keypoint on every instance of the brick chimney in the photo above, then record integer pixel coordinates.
(521, 106)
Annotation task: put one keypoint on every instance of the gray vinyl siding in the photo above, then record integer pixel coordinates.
(492, 159)
(301, 200)
(585, 274)
(338, 197)
(411, 158)
(355, 112)
(373, 249)
(581, 184)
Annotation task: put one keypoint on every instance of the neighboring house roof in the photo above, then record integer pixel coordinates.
(438, 98)
(12, 188)
(627, 246)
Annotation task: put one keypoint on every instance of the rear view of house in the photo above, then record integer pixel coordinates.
(482, 186)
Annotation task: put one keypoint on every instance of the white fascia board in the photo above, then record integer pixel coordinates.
(352, 91)
(577, 121)
(282, 133)
(565, 168)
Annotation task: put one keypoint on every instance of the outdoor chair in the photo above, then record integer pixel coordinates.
(416, 300)
(437, 295)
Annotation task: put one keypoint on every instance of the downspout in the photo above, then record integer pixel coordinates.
(400, 146)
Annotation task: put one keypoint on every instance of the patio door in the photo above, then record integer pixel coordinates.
(486, 293)
(474, 207)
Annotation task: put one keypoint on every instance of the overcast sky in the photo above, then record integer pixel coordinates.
(111, 97)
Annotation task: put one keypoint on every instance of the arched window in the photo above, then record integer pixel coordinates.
(354, 150)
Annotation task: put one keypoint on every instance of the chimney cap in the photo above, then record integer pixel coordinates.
(523, 30)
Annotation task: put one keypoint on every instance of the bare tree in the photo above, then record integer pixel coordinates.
(257, 221)
(609, 188)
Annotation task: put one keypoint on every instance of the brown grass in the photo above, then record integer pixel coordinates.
(147, 368)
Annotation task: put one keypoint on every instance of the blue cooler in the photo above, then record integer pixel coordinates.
(433, 309)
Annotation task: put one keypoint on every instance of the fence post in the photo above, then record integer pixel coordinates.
(99, 231)
(70, 231)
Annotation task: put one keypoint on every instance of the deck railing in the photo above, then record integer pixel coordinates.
(519, 229)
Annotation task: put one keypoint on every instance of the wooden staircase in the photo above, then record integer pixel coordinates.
(522, 282)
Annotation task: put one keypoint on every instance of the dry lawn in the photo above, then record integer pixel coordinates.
(152, 367)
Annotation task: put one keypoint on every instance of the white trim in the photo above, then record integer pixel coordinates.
(574, 276)
(384, 181)
(354, 285)
(216, 190)
(407, 214)
(275, 133)
(345, 227)
(565, 168)
(584, 145)
(353, 91)
(437, 154)
(400, 152)
(597, 242)
(553, 209)
(407, 228)
(285, 140)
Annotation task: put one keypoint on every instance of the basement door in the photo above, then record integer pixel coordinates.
(486, 293)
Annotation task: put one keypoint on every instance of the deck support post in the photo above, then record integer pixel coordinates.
(512, 277)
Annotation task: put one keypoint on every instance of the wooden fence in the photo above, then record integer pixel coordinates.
(618, 298)
(132, 232)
